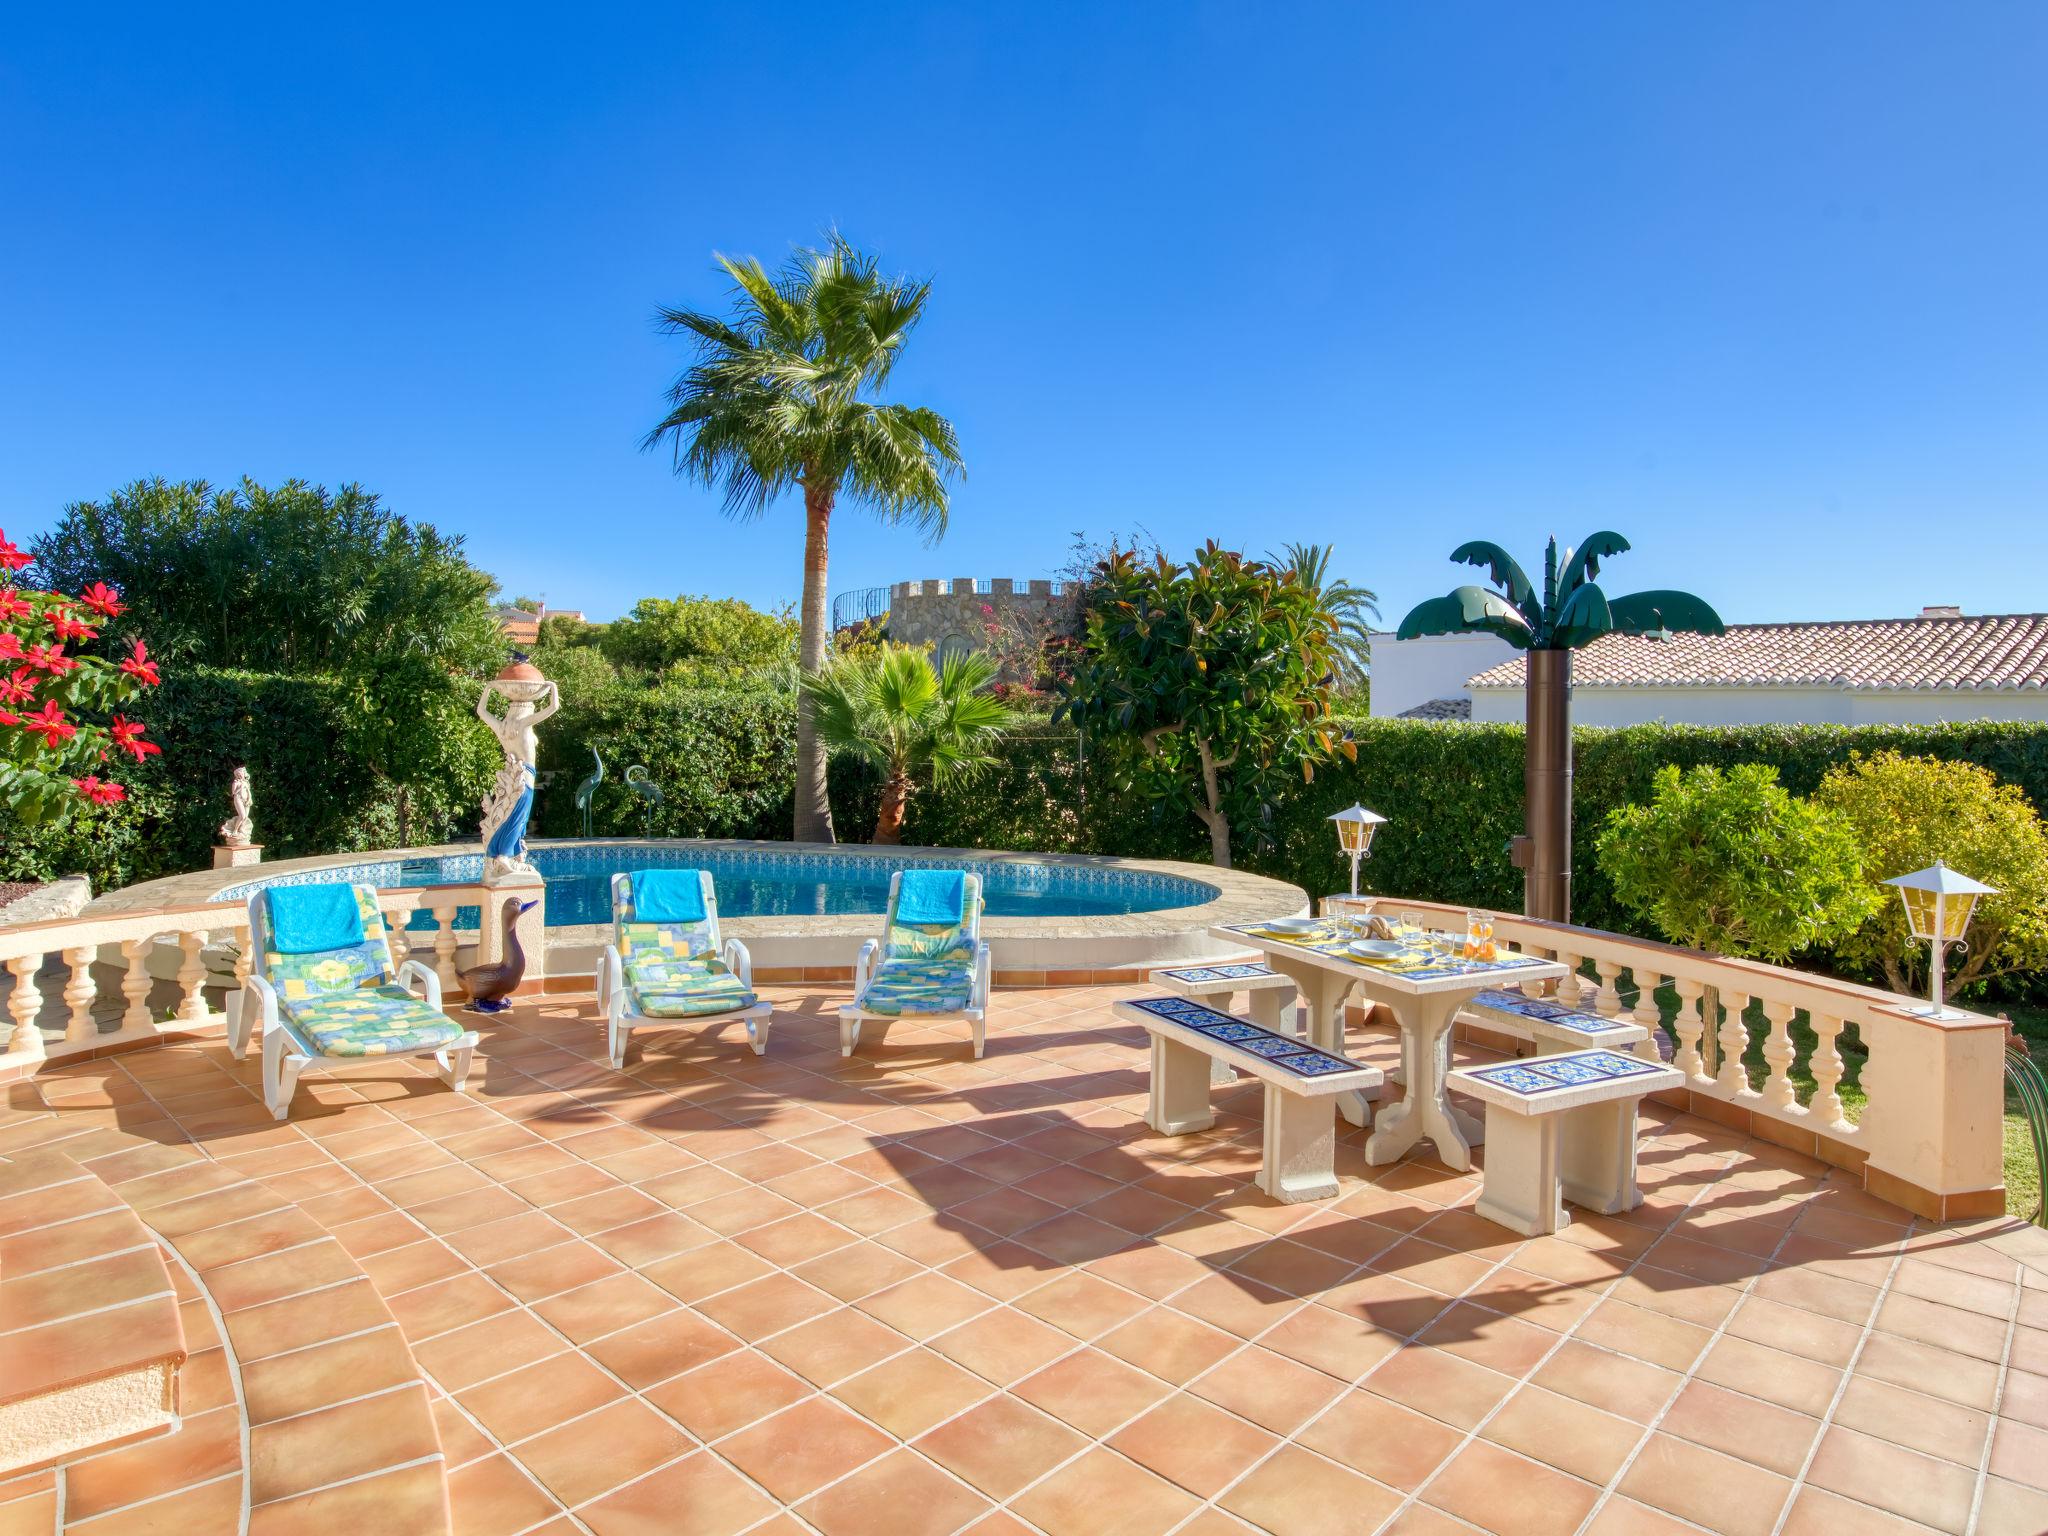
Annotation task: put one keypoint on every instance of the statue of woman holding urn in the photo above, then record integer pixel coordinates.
(510, 801)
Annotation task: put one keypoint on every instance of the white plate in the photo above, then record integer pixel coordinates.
(1379, 949)
(1291, 925)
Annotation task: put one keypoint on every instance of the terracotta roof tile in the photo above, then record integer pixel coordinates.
(2000, 651)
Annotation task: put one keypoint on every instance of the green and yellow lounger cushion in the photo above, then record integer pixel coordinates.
(371, 1021)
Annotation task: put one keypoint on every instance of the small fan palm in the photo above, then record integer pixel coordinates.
(781, 396)
(890, 706)
(1348, 606)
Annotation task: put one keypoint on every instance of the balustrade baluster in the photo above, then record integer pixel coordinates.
(1568, 984)
(444, 943)
(1826, 1062)
(1689, 1027)
(79, 993)
(1778, 1092)
(1607, 1001)
(1646, 1012)
(135, 983)
(1733, 1038)
(191, 978)
(23, 1004)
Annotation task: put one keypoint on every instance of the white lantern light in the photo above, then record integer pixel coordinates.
(1354, 835)
(1938, 903)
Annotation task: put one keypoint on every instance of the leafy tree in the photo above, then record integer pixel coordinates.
(293, 579)
(1350, 605)
(887, 705)
(781, 396)
(1569, 612)
(661, 632)
(1217, 673)
(1725, 860)
(563, 631)
(1907, 812)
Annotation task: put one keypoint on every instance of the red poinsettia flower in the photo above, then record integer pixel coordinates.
(140, 667)
(14, 606)
(10, 646)
(103, 600)
(100, 791)
(7, 717)
(10, 557)
(50, 659)
(70, 628)
(50, 724)
(20, 688)
(128, 737)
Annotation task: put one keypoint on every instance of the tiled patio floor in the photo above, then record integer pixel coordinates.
(914, 1293)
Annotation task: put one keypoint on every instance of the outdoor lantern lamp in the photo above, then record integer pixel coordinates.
(1354, 836)
(1938, 906)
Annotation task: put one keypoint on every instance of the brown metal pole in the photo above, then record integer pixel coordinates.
(1547, 786)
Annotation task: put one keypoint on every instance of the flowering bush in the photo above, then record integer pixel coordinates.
(61, 726)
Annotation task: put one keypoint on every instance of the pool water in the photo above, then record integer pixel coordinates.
(773, 884)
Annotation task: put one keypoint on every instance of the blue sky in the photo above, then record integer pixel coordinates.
(1760, 285)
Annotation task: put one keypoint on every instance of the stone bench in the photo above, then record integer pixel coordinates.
(1555, 1027)
(1298, 1158)
(1267, 997)
(1560, 1127)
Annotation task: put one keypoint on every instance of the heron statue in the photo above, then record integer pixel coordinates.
(587, 791)
(638, 781)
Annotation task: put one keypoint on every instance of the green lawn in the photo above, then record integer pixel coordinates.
(2022, 1177)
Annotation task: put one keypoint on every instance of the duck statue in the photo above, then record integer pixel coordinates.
(491, 986)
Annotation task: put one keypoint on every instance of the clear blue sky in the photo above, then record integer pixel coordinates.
(1764, 286)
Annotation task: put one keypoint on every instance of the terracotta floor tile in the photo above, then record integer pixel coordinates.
(1497, 1490)
(1381, 1439)
(1804, 1386)
(338, 1443)
(661, 1347)
(1193, 1444)
(594, 1454)
(907, 1395)
(901, 1495)
(1304, 1495)
(306, 1379)
(700, 1273)
(1565, 1433)
(1100, 1494)
(1770, 1437)
(1439, 1385)
(1703, 1486)
(802, 1448)
(699, 1495)
(830, 1348)
(1816, 1512)
(1271, 1390)
(924, 1304)
(604, 1306)
(487, 1349)
(448, 1304)
(204, 1447)
(730, 1393)
(1905, 1483)
(215, 1506)
(1170, 1346)
(1000, 1446)
(2010, 1506)
(1939, 1373)
(405, 1498)
(1616, 1383)
(766, 1306)
(494, 1497)
(537, 1397)
(1334, 1344)
(1003, 1345)
(549, 1271)
(1625, 1517)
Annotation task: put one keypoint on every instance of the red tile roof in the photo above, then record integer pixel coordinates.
(1998, 651)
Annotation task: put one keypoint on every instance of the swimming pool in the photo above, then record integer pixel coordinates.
(761, 883)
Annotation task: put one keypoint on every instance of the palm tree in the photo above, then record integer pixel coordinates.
(886, 704)
(1571, 611)
(1349, 606)
(781, 396)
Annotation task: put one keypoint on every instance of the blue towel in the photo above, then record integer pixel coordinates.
(929, 896)
(668, 896)
(306, 919)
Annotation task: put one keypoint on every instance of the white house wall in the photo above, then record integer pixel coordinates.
(1406, 673)
(1764, 706)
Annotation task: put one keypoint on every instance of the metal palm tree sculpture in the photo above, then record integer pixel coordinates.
(1569, 612)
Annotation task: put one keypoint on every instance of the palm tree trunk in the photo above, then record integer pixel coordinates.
(895, 801)
(813, 801)
(1547, 786)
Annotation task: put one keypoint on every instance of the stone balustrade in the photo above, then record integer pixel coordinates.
(147, 974)
(1929, 1133)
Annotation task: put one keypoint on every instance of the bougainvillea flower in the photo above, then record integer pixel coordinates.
(10, 557)
(10, 646)
(50, 659)
(20, 688)
(100, 791)
(50, 724)
(69, 627)
(128, 737)
(14, 606)
(140, 667)
(103, 600)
